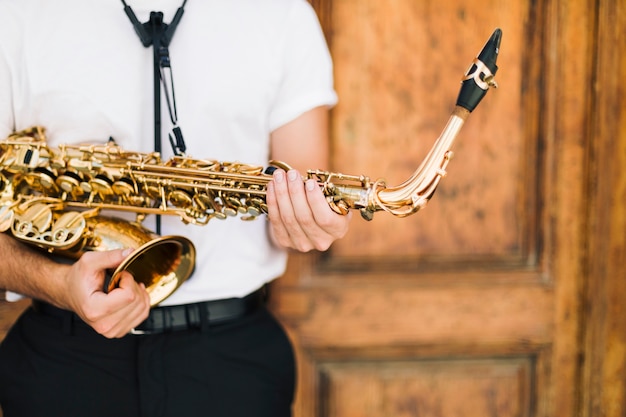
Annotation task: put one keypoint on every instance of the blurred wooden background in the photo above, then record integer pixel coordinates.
(504, 297)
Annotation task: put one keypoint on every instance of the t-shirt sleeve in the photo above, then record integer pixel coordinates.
(307, 71)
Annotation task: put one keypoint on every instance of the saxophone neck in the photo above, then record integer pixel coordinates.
(413, 194)
(345, 192)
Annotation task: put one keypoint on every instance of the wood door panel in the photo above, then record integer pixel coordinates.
(425, 388)
(398, 67)
(489, 319)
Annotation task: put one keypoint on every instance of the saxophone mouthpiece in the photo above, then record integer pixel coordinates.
(480, 75)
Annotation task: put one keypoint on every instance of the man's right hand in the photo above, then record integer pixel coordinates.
(113, 314)
(77, 287)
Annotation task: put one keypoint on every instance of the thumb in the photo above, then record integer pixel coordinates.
(125, 279)
(107, 262)
(107, 259)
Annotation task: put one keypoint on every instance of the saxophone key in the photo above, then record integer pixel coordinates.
(33, 221)
(6, 218)
(139, 201)
(229, 211)
(258, 204)
(180, 198)
(235, 204)
(101, 184)
(152, 191)
(253, 212)
(217, 215)
(208, 204)
(192, 215)
(27, 158)
(68, 228)
(222, 206)
(42, 180)
(70, 182)
(124, 187)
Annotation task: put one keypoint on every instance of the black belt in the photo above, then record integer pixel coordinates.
(172, 318)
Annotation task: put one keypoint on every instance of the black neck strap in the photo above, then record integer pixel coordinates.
(158, 34)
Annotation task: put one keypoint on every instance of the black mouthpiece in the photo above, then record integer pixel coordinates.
(489, 54)
(480, 75)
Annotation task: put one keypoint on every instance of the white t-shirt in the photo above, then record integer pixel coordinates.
(241, 69)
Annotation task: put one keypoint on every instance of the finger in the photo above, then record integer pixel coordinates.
(88, 275)
(122, 309)
(328, 220)
(285, 206)
(107, 259)
(301, 207)
(279, 233)
(137, 310)
(130, 316)
(298, 219)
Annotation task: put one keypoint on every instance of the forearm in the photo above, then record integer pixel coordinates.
(29, 272)
(300, 218)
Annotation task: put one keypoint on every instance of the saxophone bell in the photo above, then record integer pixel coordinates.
(161, 264)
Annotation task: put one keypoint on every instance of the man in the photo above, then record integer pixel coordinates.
(253, 82)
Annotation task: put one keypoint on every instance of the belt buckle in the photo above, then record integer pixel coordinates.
(138, 332)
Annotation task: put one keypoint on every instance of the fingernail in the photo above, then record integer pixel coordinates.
(127, 252)
(292, 174)
(279, 175)
(310, 185)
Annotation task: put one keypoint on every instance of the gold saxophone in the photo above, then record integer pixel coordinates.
(54, 198)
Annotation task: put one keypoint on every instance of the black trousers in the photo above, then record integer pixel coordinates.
(243, 368)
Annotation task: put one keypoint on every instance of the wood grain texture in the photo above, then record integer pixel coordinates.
(495, 268)
(375, 315)
(505, 296)
(398, 69)
(428, 388)
(604, 375)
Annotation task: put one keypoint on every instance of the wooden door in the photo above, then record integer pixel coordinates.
(504, 297)
(474, 306)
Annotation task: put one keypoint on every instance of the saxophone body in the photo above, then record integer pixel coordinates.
(57, 198)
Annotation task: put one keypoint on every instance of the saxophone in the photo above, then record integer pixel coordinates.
(56, 198)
